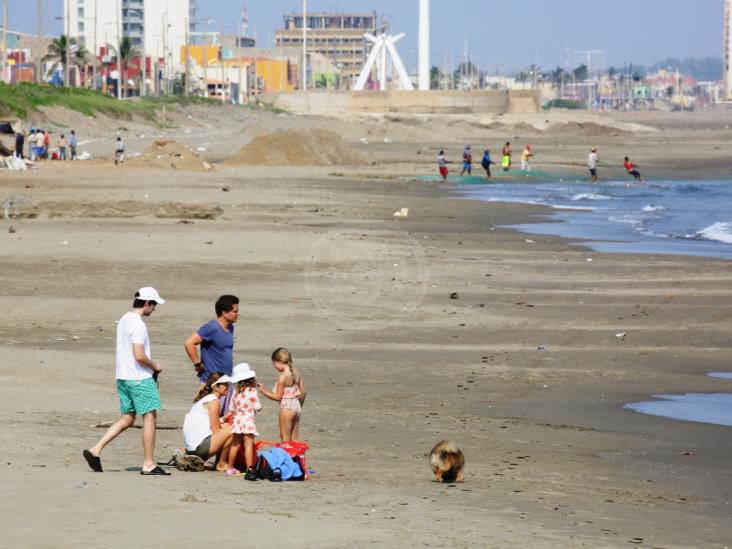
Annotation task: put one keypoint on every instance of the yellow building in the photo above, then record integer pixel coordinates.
(197, 53)
(273, 75)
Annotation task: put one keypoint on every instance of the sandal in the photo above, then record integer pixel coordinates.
(155, 471)
(172, 462)
(231, 471)
(94, 461)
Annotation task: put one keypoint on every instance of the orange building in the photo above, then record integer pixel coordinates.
(273, 75)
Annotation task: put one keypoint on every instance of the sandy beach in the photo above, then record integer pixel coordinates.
(521, 367)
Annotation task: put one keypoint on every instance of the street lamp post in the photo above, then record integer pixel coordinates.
(39, 31)
(204, 61)
(4, 60)
(187, 70)
(304, 84)
(221, 60)
(119, 51)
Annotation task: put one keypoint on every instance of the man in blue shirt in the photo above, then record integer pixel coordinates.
(216, 340)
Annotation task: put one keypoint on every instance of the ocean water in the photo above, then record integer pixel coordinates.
(669, 217)
(713, 408)
(701, 407)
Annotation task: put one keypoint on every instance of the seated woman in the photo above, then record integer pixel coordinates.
(204, 435)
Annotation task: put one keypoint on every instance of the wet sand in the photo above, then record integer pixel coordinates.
(393, 364)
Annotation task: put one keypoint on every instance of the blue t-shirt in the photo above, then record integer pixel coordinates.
(216, 349)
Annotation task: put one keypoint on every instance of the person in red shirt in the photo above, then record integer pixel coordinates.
(631, 169)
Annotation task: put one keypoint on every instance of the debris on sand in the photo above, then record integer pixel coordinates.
(164, 153)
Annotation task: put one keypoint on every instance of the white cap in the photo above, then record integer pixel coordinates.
(222, 379)
(149, 294)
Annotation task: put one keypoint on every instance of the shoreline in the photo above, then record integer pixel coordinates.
(393, 364)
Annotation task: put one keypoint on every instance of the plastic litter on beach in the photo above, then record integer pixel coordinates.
(620, 335)
(404, 212)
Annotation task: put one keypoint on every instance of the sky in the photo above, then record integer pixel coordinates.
(502, 36)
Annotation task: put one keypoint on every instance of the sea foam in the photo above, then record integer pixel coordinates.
(590, 196)
(721, 232)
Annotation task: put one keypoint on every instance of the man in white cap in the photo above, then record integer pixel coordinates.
(137, 388)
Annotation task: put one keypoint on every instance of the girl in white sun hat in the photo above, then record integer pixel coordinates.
(244, 406)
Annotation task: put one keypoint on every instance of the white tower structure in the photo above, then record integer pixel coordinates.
(727, 55)
(424, 44)
(385, 57)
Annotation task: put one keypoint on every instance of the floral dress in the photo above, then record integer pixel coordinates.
(245, 405)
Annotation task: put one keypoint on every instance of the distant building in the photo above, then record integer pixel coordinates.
(339, 37)
(162, 26)
(24, 56)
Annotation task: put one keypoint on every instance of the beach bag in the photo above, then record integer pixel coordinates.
(296, 449)
(262, 468)
(282, 466)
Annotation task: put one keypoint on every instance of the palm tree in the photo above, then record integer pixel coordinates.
(57, 52)
(127, 53)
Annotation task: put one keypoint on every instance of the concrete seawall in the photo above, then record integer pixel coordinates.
(425, 102)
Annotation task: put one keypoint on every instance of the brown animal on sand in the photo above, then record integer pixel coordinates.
(447, 462)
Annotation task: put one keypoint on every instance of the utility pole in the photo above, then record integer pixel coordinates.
(4, 60)
(187, 69)
(238, 63)
(256, 78)
(221, 60)
(164, 86)
(304, 84)
(67, 64)
(143, 87)
(95, 53)
(119, 51)
(39, 31)
(204, 61)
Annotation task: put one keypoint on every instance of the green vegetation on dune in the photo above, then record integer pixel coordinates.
(23, 99)
(564, 104)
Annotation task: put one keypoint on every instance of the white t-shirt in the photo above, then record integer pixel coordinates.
(592, 161)
(131, 329)
(197, 424)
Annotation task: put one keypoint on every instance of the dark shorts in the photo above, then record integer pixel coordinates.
(593, 172)
(635, 173)
(203, 450)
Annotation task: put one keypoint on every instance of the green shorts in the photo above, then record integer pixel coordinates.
(138, 396)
